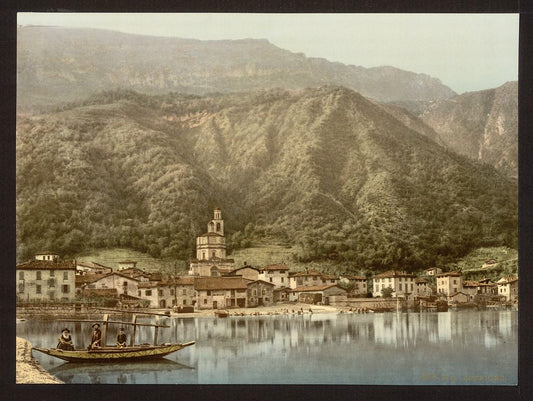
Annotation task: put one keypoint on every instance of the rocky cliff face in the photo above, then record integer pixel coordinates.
(59, 64)
(480, 125)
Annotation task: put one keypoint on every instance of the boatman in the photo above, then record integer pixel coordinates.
(121, 338)
(64, 341)
(96, 338)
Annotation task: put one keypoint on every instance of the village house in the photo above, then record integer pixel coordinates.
(422, 288)
(432, 271)
(211, 258)
(127, 264)
(139, 274)
(220, 292)
(401, 283)
(485, 286)
(458, 298)
(247, 272)
(124, 284)
(508, 287)
(357, 283)
(91, 268)
(46, 279)
(310, 278)
(449, 283)
(173, 292)
(260, 293)
(49, 256)
(318, 294)
(275, 274)
(470, 288)
(281, 294)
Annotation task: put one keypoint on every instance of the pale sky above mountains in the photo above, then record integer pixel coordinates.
(467, 52)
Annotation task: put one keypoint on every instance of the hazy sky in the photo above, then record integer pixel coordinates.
(467, 52)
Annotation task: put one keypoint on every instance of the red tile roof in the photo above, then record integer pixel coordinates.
(421, 281)
(449, 274)
(307, 273)
(353, 277)
(220, 283)
(275, 267)
(47, 265)
(260, 281)
(394, 273)
(89, 278)
(315, 288)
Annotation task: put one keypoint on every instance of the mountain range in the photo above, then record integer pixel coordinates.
(56, 65)
(326, 170)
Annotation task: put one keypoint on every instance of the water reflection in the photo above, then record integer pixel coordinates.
(387, 348)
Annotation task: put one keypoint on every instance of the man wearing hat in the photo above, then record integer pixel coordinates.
(96, 338)
(64, 341)
(121, 338)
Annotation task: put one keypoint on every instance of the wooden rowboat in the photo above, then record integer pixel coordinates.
(115, 354)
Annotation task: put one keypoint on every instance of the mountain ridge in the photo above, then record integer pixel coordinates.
(325, 169)
(66, 64)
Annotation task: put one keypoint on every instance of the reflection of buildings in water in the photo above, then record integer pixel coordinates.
(213, 368)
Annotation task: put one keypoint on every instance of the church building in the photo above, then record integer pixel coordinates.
(211, 258)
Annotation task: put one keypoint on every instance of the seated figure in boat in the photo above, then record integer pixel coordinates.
(121, 338)
(64, 341)
(96, 338)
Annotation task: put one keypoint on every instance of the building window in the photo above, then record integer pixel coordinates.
(139, 292)
(264, 291)
(390, 279)
(203, 255)
(184, 292)
(184, 302)
(38, 289)
(400, 286)
(125, 284)
(21, 275)
(148, 293)
(160, 293)
(411, 287)
(52, 273)
(208, 293)
(270, 279)
(205, 301)
(171, 291)
(282, 279)
(255, 292)
(65, 289)
(65, 275)
(38, 275)
(21, 287)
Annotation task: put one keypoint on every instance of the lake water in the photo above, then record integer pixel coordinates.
(430, 348)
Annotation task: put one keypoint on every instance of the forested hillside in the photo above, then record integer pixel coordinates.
(481, 125)
(325, 169)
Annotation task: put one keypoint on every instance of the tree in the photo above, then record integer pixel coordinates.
(387, 292)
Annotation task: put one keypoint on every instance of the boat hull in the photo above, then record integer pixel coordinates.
(113, 354)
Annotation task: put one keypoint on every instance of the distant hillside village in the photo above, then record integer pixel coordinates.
(213, 282)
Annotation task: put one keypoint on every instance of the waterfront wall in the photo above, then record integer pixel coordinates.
(369, 303)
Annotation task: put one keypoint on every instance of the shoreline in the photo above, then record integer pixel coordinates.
(28, 370)
(278, 309)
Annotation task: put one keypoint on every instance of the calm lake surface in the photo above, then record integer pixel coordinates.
(430, 348)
